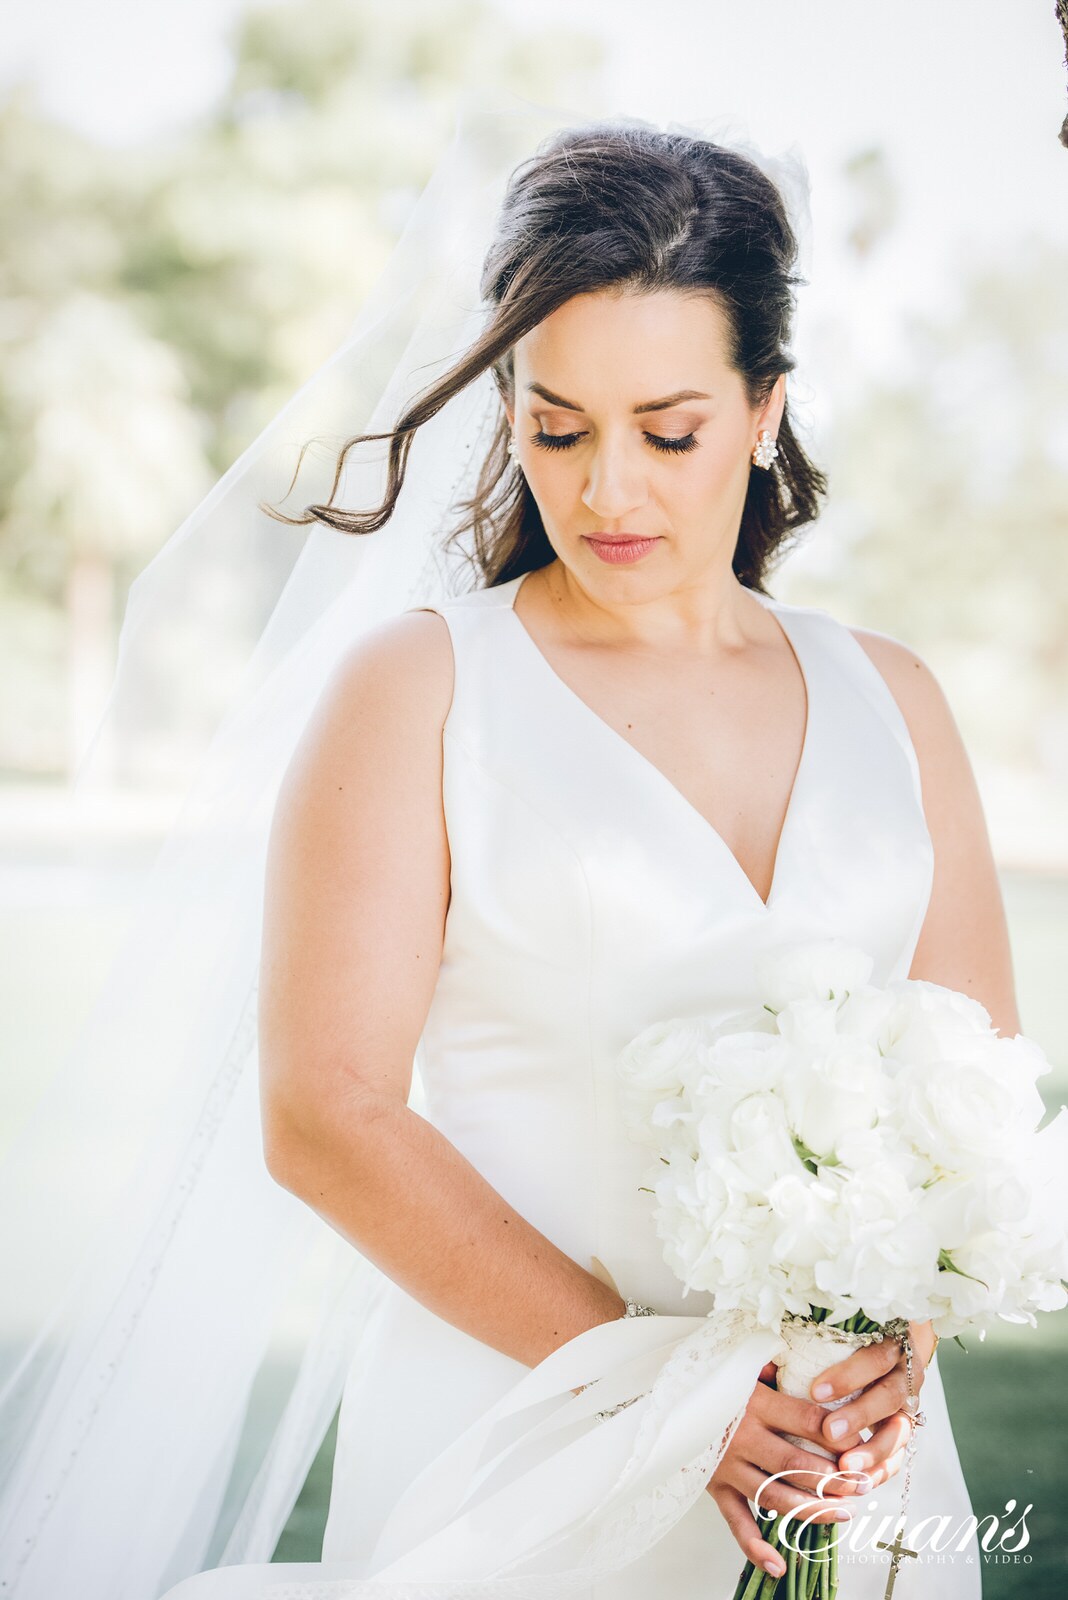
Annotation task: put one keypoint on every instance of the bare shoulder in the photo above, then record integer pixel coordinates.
(393, 686)
(964, 942)
(402, 664)
(911, 681)
(357, 884)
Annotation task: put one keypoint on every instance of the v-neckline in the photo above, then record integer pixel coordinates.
(659, 776)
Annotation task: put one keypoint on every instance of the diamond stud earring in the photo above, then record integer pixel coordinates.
(765, 450)
(511, 446)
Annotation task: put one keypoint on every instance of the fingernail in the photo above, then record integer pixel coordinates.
(823, 1391)
(854, 1463)
(838, 1427)
(864, 1483)
(776, 1568)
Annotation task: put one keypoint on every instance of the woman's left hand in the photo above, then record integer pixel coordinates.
(879, 1370)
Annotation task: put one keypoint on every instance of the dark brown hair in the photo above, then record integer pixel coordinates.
(620, 207)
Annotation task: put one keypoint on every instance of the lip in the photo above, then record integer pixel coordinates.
(620, 548)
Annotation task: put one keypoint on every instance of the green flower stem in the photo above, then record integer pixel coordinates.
(814, 1560)
(755, 1584)
(812, 1570)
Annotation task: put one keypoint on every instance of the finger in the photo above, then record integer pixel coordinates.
(776, 1494)
(785, 1413)
(887, 1469)
(810, 1471)
(734, 1508)
(887, 1439)
(924, 1343)
(769, 1372)
(881, 1399)
(864, 1366)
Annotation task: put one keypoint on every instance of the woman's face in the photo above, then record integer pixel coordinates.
(628, 420)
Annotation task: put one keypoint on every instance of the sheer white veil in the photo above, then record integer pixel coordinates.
(183, 1326)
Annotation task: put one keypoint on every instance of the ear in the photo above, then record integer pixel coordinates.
(774, 405)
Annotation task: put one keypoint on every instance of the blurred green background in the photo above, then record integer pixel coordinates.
(162, 295)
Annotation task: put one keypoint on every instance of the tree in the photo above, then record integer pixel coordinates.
(165, 302)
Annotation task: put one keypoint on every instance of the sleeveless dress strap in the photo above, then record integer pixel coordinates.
(845, 655)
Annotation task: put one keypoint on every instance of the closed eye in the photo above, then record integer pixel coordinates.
(564, 441)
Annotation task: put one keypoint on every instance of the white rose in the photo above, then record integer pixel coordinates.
(866, 1012)
(836, 1084)
(962, 1113)
(959, 1209)
(763, 1149)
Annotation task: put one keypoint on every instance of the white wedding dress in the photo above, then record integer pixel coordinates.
(589, 899)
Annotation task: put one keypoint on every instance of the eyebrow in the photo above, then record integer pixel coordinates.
(646, 405)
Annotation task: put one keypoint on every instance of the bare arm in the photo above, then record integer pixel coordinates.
(357, 891)
(964, 942)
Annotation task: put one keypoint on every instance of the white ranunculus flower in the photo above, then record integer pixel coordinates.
(814, 969)
(659, 1058)
(652, 1069)
(934, 1023)
(738, 1064)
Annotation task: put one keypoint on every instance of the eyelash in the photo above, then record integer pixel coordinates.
(564, 441)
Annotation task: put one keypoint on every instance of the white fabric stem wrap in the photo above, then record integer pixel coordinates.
(811, 1348)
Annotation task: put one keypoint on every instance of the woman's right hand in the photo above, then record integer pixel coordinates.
(757, 1450)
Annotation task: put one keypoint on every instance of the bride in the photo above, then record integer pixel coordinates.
(524, 821)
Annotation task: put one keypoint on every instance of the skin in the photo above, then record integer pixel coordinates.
(675, 654)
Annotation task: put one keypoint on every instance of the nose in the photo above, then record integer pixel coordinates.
(615, 484)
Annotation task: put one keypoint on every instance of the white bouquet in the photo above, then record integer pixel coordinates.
(847, 1158)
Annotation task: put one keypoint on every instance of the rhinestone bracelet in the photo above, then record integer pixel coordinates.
(634, 1309)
